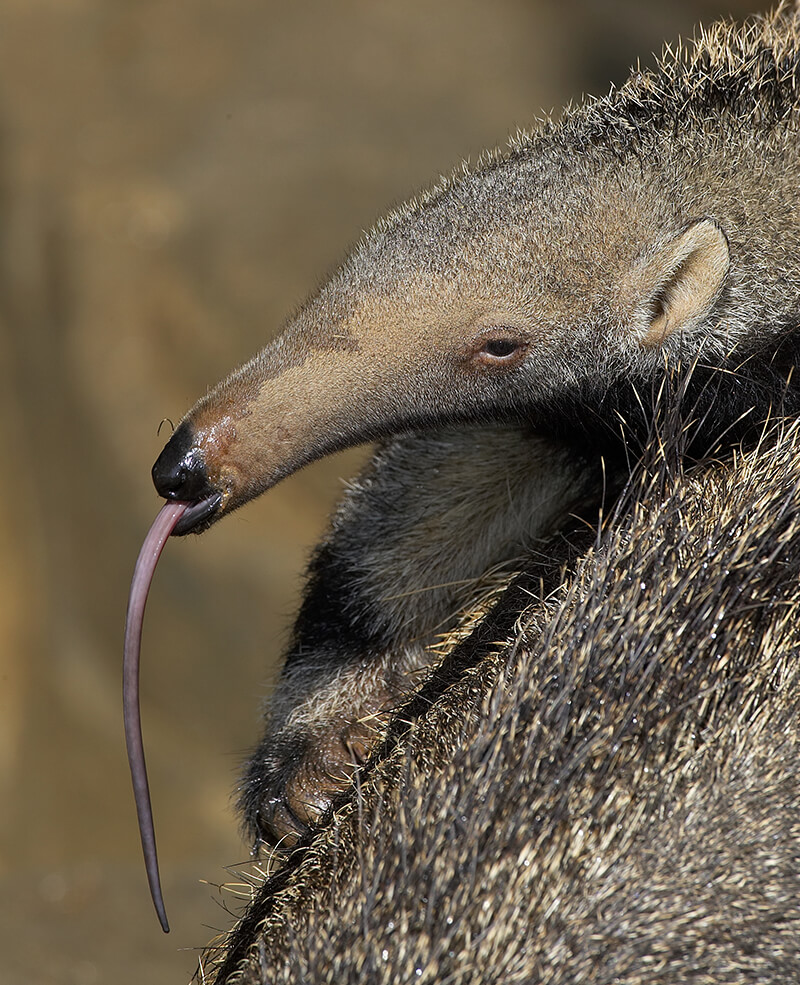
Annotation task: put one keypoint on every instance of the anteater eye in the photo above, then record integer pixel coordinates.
(499, 351)
(499, 348)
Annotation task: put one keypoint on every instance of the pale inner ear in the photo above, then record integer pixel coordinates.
(683, 281)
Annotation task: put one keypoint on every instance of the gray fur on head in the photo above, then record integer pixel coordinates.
(577, 208)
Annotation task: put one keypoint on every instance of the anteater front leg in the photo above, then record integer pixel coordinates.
(408, 551)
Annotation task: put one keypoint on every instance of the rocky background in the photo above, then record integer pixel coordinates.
(174, 178)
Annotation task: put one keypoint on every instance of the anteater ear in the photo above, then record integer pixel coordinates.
(679, 285)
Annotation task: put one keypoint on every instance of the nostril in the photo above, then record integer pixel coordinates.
(179, 471)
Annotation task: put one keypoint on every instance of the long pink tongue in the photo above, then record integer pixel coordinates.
(163, 525)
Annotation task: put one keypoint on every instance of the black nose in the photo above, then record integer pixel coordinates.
(180, 472)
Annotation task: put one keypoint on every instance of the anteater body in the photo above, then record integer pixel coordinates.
(608, 792)
(506, 338)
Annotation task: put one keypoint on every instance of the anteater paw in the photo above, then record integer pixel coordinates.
(289, 789)
(321, 726)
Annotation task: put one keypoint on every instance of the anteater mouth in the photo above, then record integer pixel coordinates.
(199, 516)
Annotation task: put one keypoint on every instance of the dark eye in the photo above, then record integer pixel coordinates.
(499, 352)
(499, 348)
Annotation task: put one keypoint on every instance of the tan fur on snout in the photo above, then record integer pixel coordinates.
(404, 356)
(388, 346)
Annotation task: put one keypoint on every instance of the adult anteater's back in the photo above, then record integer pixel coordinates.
(611, 796)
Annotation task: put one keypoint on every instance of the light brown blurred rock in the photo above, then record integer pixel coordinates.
(174, 178)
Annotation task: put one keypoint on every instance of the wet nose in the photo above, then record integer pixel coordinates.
(180, 472)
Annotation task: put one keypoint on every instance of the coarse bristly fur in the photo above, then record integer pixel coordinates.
(597, 784)
(610, 795)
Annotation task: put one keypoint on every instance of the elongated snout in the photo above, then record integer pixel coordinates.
(356, 364)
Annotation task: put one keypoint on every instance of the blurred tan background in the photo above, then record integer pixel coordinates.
(174, 178)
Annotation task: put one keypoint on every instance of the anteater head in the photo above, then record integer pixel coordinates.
(662, 218)
(492, 298)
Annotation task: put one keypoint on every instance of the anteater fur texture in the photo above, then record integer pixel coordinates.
(611, 794)
(599, 784)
